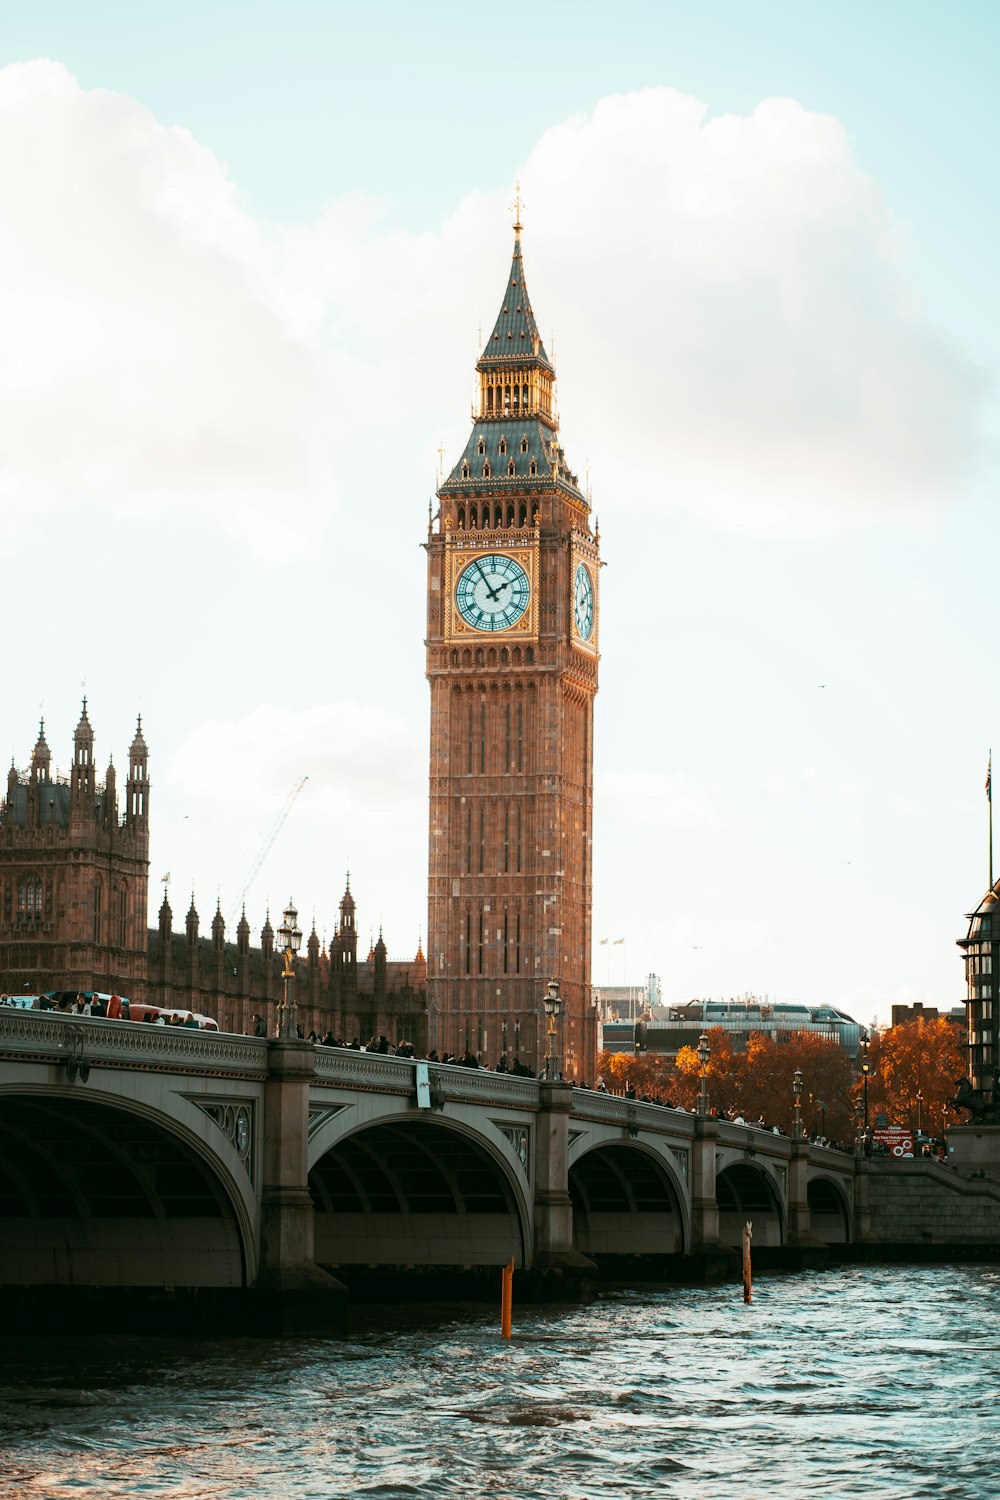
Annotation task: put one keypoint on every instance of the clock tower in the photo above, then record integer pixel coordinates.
(513, 577)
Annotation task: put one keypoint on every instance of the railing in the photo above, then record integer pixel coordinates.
(375, 1072)
(49, 1037)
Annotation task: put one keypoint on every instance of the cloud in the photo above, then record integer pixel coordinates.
(651, 800)
(148, 363)
(363, 804)
(739, 333)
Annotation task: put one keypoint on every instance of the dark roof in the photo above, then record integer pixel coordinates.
(53, 804)
(542, 448)
(515, 336)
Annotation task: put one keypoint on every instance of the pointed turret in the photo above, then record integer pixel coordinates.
(82, 777)
(191, 924)
(111, 795)
(267, 938)
(243, 935)
(137, 801)
(166, 918)
(41, 756)
(379, 956)
(218, 927)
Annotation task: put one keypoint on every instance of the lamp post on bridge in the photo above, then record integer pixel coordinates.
(865, 1070)
(290, 937)
(704, 1053)
(553, 1005)
(797, 1092)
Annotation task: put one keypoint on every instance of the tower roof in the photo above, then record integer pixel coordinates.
(83, 729)
(515, 337)
(139, 743)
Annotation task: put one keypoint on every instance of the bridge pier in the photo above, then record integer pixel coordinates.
(559, 1270)
(294, 1295)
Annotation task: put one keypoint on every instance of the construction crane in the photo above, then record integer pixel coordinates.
(265, 848)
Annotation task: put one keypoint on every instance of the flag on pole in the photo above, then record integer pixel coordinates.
(989, 777)
(618, 942)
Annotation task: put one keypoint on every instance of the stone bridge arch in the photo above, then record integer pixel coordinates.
(393, 1186)
(629, 1197)
(830, 1208)
(100, 1187)
(746, 1189)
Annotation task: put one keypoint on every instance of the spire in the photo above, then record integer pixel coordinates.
(41, 757)
(138, 748)
(84, 733)
(515, 338)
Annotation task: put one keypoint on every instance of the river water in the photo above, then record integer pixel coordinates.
(875, 1381)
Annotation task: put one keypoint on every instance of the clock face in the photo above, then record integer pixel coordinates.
(492, 593)
(583, 602)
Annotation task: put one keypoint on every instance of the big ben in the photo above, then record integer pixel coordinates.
(513, 585)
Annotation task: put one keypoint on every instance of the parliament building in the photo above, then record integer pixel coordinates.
(74, 872)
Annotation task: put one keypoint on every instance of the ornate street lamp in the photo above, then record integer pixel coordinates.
(704, 1053)
(920, 1112)
(865, 1070)
(553, 1005)
(797, 1091)
(290, 938)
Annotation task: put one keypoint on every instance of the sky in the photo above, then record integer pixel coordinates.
(246, 253)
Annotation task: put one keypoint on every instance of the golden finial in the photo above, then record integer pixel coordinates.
(517, 205)
(440, 468)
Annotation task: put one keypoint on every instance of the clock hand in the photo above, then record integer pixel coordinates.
(493, 593)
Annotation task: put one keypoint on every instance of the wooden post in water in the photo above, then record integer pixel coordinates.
(506, 1297)
(747, 1280)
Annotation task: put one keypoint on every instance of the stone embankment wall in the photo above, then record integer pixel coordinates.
(922, 1203)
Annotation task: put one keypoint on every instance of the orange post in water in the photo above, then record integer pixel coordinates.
(506, 1296)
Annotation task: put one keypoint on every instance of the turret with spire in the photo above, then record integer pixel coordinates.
(82, 784)
(137, 802)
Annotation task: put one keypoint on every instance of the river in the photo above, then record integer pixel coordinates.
(862, 1380)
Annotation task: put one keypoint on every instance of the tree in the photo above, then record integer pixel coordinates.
(647, 1074)
(924, 1057)
(724, 1073)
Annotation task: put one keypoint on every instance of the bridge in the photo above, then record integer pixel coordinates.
(144, 1156)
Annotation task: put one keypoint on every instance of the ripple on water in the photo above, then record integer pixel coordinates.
(858, 1379)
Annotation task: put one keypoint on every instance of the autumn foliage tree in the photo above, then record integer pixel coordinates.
(924, 1057)
(755, 1082)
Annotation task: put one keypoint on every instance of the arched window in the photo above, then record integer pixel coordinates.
(489, 398)
(504, 656)
(517, 394)
(506, 398)
(487, 471)
(482, 448)
(532, 468)
(465, 470)
(122, 915)
(524, 445)
(473, 516)
(461, 508)
(98, 909)
(524, 397)
(29, 896)
(511, 471)
(510, 514)
(503, 446)
(529, 655)
(522, 516)
(479, 656)
(454, 658)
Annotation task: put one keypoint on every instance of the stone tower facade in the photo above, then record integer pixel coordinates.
(73, 872)
(512, 658)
